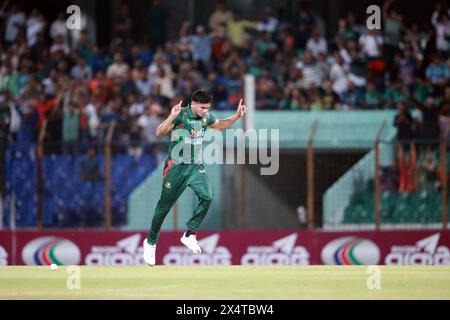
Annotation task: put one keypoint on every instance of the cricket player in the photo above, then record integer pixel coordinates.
(187, 126)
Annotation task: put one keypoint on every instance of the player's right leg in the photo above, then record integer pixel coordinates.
(174, 183)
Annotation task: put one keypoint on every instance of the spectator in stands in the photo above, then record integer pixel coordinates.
(59, 45)
(406, 65)
(134, 147)
(429, 173)
(392, 28)
(349, 30)
(339, 76)
(423, 89)
(35, 25)
(149, 121)
(58, 28)
(30, 68)
(371, 43)
(438, 72)
(405, 125)
(236, 28)
(316, 44)
(81, 71)
(200, 46)
(292, 99)
(395, 94)
(312, 75)
(9, 80)
(71, 127)
(268, 23)
(219, 18)
(118, 69)
(373, 99)
(330, 99)
(15, 24)
(430, 121)
(390, 178)
(5, 118)
(305, 23)
(89, 166)
(441, 22)
(122, 25)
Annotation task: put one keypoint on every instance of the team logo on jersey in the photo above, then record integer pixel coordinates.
(204, 121)
(168, 185)
(202, 171)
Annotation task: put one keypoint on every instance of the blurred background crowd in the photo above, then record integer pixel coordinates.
(51, 74)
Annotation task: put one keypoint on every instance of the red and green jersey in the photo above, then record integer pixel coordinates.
(188, 130)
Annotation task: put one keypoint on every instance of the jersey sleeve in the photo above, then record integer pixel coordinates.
(210, 119)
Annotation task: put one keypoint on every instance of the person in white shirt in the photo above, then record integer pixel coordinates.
(81, 71)
(136, 107)
(119, 68)
(60, 45)
(441, 23)
(35, 24)
(312, 74)
(316, 44)
(268, 23)
(59, 28)
(149, 121)
(91, 112)
(371, 44)
(339, 76)
(15, 22)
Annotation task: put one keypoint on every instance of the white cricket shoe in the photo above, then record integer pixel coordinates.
(149, 253)
(191, 243)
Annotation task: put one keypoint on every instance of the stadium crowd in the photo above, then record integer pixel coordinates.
(78, 88)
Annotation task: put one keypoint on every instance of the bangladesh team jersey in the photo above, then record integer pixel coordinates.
(187, 135)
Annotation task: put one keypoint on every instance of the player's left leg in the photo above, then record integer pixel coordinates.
(199, 183)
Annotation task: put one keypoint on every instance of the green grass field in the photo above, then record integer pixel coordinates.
(225, 282)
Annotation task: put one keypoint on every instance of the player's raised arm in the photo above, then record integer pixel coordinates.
(228, 122)
(167, 124)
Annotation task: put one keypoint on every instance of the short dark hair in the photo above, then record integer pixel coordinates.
(201, 96)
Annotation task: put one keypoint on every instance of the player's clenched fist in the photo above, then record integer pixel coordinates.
(176, 109)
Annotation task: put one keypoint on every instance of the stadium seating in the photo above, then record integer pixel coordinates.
(396, 207)
(69, 201)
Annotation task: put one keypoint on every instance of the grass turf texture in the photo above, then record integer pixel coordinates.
(226, 282)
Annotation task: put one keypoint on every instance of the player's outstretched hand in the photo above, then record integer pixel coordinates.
(176, 109)
(241, 110)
